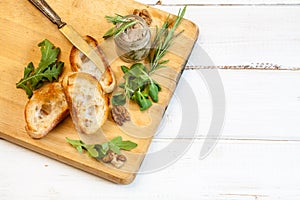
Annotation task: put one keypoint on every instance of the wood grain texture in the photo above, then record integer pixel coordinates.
(250, 162)
(24, 28)
(241, 35)
(235, 170)
(247, 94)
(222, 2)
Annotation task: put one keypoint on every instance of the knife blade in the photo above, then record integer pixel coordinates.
(70, 33)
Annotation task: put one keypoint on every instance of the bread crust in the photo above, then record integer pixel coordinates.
(80, 63)
(46, 108)
(88, 104)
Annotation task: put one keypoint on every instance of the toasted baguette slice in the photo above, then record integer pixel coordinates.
(87, 102)
(80, 63)
(46, 108)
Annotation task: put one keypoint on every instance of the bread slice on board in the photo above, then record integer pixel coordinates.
(80, 63)
(87, 102)
(46, 108)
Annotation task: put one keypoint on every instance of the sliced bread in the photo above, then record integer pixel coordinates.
(87, 102)
(46, 108)
(80, 63)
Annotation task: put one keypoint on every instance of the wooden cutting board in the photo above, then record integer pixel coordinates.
(23, 27)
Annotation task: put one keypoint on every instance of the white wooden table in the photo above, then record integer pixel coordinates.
(258, 154)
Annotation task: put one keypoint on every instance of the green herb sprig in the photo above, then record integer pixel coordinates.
(162, 41)
(98, 151)
(48, 69)
(125, 23)
(137, 86)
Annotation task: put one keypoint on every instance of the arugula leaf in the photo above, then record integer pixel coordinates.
(98, 151)
(138, 86)
(91, 150)
(78, 144)
(49, 55)
(153, 92)
(146, 91)
(101, 152)
(28, 70)
(114, 144)
(117, 140)
(114, 148)
(145, 104)
(52, 73)
(124, 69)
(118, 99)
(127, 145)
(48, 69)
(142, 100)
(138, 65)
(105, 147)
(157, 85)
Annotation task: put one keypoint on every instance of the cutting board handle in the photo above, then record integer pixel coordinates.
(44, 7)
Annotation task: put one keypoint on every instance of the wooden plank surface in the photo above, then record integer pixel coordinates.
(251, 161)
(221, 2)
(236, 169)
(24, 28)
(247, 93)
(246, 34)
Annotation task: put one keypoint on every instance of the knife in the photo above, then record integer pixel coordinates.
(70, 33)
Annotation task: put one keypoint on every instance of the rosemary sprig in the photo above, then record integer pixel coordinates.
(139, 86)
(115, 31)
(162, 41)
(116, 19)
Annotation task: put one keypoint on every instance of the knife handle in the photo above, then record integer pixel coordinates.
(44, 7)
